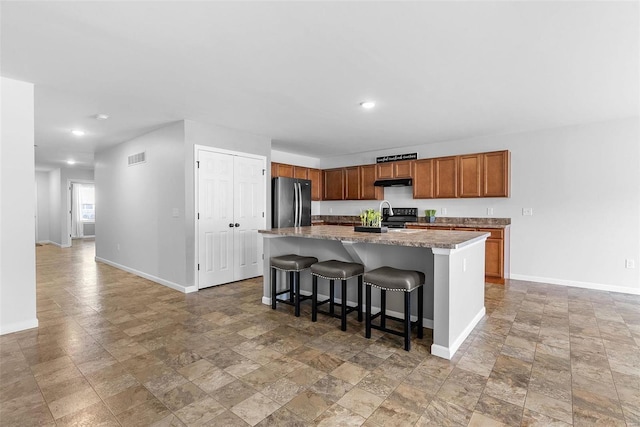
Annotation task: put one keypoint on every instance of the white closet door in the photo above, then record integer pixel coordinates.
(249, 214)
(216, 223)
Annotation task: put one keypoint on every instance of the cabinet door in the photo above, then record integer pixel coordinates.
(315, 175)
(352, 183)
(333, 184)
(470, 175)
(497, 171)
(384, 171)
(403, 169)
(493, 258)
(284, 170)
(300, 172)
(423, 179)
(367, 190)
(446, 177)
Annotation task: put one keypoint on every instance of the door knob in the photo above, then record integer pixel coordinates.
(237, 225)
(230, 225)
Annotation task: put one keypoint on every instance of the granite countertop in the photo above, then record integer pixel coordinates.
(440, 221)
(406, 237)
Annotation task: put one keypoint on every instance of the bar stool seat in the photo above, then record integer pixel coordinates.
(293, 264)
(395, 280)
(333, 270)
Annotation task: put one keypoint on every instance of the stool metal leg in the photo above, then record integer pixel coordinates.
(332, 294)
(367, 321)
(291, 289)
(314, 299)
(383, 308)
(359, 298)
(407, 321)
(296, 290)
(420, 310)
(343, 314)
(274, 275)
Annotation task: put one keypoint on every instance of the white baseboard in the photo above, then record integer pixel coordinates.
(49, 242)
(167, 283)
(448, 352)
(576, 284)
(18, 326)
(426, 323)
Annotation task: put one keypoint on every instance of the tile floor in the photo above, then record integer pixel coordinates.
(115, 349)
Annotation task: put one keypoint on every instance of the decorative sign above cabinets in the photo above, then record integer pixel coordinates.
(397, 158)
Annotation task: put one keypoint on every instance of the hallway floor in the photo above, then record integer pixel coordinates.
(116, 349)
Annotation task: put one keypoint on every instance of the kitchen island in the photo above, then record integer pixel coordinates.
(452, 261)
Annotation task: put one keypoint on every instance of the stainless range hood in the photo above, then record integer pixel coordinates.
(402, 182)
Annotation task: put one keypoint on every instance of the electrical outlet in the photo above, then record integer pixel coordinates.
(527, 211)
(629, 263)
(330, 210)
(118, 246)
(464, 264)
(176, 212)
(443, 211)
(489, 211)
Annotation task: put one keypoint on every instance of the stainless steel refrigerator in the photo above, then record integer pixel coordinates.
(291, 202)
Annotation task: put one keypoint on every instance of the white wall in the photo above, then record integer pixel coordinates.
(583, 183)
(17, 223)
(136, 228)
(294, 159)
(42, 187)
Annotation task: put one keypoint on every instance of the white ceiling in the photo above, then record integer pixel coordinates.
(296, 71)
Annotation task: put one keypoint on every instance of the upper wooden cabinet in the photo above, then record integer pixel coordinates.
(281, 169)
(445, 184)
(367, 190)
(496, 168)
(300, 172)
(392, 170)
(470, 175)
(352, 183)
(423, 179)
(315, 175)
(333, 184)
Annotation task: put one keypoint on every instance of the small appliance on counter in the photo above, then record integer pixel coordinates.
(399, 218)
(291, 202)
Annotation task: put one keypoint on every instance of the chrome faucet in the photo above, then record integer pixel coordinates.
(389, 204)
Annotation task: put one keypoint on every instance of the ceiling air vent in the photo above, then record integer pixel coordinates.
(136, 159)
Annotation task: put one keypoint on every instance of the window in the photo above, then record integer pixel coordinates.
(87, 203)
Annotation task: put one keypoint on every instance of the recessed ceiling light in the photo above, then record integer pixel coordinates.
(71, 162)
(101, 117)
(367, 104)
(77, 132)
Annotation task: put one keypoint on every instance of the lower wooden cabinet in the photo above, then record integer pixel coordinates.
(495, 254)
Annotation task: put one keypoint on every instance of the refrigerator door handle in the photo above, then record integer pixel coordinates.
(299, 204)
(295, 204)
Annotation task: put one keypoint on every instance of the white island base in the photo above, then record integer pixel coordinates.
(453, 294)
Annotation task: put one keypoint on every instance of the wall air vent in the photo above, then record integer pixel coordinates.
(136, 159)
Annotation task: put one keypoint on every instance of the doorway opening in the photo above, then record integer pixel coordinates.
(82, 210)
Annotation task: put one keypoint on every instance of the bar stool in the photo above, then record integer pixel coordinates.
(393, 279)
(293, 264)
(336, 270)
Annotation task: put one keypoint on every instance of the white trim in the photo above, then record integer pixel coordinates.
(18, 326)
(448, 352)
(223, 151)
(167, 283)
(49, 242)
(577, 284)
